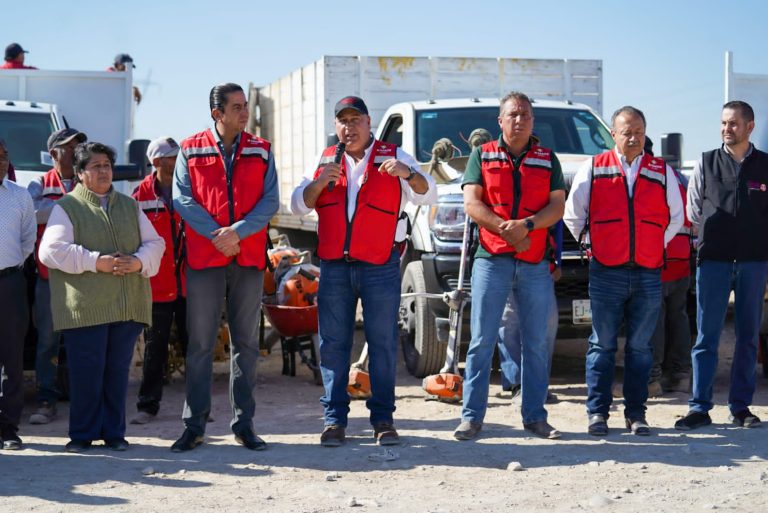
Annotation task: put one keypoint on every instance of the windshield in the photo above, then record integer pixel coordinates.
(26, 134)
(562, 130)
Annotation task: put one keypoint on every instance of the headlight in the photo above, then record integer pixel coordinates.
(446, 220)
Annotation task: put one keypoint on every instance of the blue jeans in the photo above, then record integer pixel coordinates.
(99, 359)
(207, 292)
(633, 296)
(492, 280)
(47, 359)
(714, 281)
(378, 287)
(509, 340)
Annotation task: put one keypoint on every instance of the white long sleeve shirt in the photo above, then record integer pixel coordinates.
(355, 180)
(577, 204)
(59, 251)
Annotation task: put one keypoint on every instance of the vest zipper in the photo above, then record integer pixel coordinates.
(631, 209)
(348, 235)
(108, 215)
(230, 192)
(516, 186)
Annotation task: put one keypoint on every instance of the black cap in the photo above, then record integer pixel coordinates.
(124, 58)
(13, 50)
(65, 135)
(351, 102)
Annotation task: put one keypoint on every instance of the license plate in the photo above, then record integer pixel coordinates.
(582, 311)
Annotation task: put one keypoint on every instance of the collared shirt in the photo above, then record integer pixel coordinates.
(18, 229)
(355, 181)
(59, 251)
(696, 186)
(577, 204)
(200, 219)
(44, 205)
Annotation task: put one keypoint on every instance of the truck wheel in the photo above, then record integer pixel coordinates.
(423, 353)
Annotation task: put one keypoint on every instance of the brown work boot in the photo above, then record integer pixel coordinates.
(333, 436)
(385, 434)
(655, 389)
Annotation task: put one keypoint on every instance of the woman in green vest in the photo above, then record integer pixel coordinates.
(101, 250)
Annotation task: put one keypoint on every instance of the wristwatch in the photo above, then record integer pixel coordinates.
(529, 224)
(410, 176)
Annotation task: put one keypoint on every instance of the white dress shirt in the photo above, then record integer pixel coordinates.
(59, 251)
(577, 204)
(355, 180)
(18, 229)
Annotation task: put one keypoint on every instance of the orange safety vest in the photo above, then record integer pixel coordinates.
(511, 201)
(169, 282)
(53, 189)
(370, 235)
(226, 201)
(626, 230)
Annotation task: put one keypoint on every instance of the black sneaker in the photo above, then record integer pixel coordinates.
(385, 434)
(117, 444)
(187, 441)
(693, 420)
(745, 418)
(10, 440)
(78, 446)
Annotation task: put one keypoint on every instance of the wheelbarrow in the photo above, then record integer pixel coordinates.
(297, 327)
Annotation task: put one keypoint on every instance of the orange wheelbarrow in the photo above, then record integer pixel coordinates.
(297, 327)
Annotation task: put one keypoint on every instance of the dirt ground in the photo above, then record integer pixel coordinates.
(720, 467)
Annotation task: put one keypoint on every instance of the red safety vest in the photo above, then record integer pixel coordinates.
(679, 248)
(370, 235)
(626, 230)
(53, 189)
(169, 282)
(501, 197)
(226, 202)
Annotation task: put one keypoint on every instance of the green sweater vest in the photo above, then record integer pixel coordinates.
(90, 299)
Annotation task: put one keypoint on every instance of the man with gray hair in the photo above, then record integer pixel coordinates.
(728, 204)
(45, 191)
(17, 241)
(624, 206)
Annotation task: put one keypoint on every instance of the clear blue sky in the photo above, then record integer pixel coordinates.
(665, 57)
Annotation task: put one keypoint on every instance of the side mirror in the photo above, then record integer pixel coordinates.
(127, 172)
(46, 159)
(672, 149)
(137, 155)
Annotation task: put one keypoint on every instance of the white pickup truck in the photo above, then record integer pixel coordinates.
(413, 103)
(35, 103)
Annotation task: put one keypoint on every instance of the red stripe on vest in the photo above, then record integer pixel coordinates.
(49, 181)
(209, 189)
(370, 234)
(164, 287)
(499, 194)
(624, 230)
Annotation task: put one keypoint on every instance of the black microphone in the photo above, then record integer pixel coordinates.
(340, 147)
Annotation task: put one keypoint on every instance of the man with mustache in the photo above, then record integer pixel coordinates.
(625, 206)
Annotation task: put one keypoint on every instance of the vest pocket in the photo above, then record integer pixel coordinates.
(326, 205)
(380, 209)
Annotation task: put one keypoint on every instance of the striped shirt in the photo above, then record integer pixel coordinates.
(18, 229)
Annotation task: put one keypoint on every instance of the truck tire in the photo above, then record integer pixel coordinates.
(422, 351)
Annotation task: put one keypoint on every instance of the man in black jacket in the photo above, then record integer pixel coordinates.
(728, 204)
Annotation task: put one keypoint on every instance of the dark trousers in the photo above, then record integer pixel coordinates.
(99, 358)
(156, 341)
(672, 339)
(15, 311)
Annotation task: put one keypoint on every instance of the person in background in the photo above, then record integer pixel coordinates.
(728, 205)
(121, 63)
(45, 191)
(17, 233)
(225, 189)
(100, 250)
(14, 57)
(168, 288)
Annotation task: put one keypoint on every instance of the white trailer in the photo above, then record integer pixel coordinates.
(34, 103)
(753, 89)
(295, 112)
